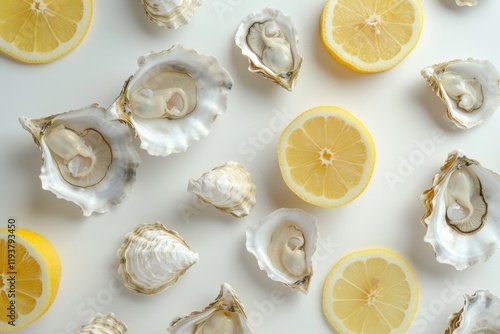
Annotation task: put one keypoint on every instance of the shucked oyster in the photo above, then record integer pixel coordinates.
(470, 89)
(284, 243)
(269, 39)
(480, 315)
(103, 324)
(170, 13)
(87, 158)
(152, 258)
(173, 98)
(225, 315)
(462, 212)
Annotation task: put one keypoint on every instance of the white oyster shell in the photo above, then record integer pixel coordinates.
(469, 88)
(228, 187)
(152, 258)
(269, 40)
(173, 98)
(224, 315)
(469, 3)
(283, 244)
(480, 315)
(170, 13)
(103, 324)
(87, 158)
(462, 212)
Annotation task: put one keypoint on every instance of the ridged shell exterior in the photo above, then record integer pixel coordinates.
(451, 247)
(116, 183)
(103, 324)
(227, 302)
(256, 65)
(170, 14)
(469, 3)
(152, 258)
(228, 187)
(258, 239)
(163, 136)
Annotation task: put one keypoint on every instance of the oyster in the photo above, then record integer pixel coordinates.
(469, 88)
(462, 212)
(228, 187)
(172, 99)
(152, 258)
(170, 14)
(103, 324)
(467, 2)
(284, 243)
(87, 158)
(269, 40)
(480, 315)
(224, 315)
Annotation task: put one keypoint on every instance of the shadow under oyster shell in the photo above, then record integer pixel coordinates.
(103, 324)
(170, 14)
(86, 158)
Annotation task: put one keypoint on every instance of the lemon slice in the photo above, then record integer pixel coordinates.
(370, 35)
(370, 291)
(326, 156)
(30, 271)
(40, 31)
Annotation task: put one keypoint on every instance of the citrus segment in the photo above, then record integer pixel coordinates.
(326, 156)
(370, 35)
(39, 31)
(29, 277)
(370, 291)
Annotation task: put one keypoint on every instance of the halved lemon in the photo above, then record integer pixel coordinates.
(40, 31)
(30, 272)
(370, 35)
(326, 156)
(370, 291)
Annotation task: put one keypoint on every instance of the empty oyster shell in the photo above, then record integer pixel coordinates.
(172, 99)
(269, 39)
(462, 212)
(103, 324)
(480, 315)
(228, 187)
(284, 243)
(467, 2)
(152, 258)
(170, 13)
(224, 315)
(469, 88)
(87, 158)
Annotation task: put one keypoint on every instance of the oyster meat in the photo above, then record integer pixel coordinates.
(103, 324)
(152, 258)
(283, 244)
(170, 14)
(87, 158)
(470, 89)
(228, 187)
(462, 212)
(223, 316)
(480, 315)
(269, 40)
(172, 99)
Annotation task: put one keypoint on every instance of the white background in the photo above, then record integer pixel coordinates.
(404, 116)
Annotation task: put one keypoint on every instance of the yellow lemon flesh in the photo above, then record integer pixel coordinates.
(30, 272)
(370, 35)
(370, 291)
(40, 31)
(326, 156)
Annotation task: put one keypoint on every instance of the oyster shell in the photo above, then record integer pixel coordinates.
(224, 315)
(86, 158)
(467, 2)
(152, 258)
(283, 244)
(462, 212)
(228, 187)
(170, 14)
(172, 99)
(469, 88)
(103, 324)
(480, 315)
(269, 40)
